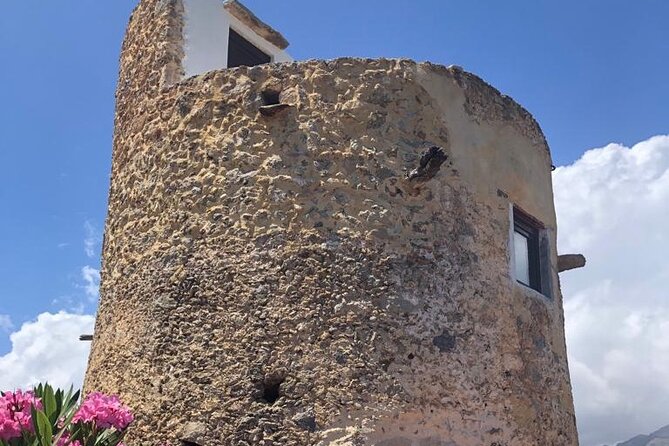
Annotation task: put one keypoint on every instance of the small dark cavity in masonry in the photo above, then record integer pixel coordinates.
(445, 342)
(270, 97)
(272, 105)
(271, 390)
(429, 166)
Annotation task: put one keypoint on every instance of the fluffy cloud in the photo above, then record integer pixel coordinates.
(91, 277)
(92, 239)
(85, 300)
(613, 206)
(5, 323)
(47, 349)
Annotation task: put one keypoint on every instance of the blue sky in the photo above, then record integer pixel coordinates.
(592, 72)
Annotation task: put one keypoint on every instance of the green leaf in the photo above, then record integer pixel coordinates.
(69, 405)
(71, 399)
(27, 438)
(59, 400)
(76, 434)
(50, 405)
(42, 428)
(109, 437)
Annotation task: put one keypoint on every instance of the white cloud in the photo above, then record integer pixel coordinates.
(5, 323)
(79, 303)
(92, 239)
(47, 350)
(91, 277)
(70, 304)
(613, 206)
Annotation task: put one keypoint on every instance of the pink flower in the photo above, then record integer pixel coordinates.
(8, 428)
(104, 411)
(65, 441)
(15, 413)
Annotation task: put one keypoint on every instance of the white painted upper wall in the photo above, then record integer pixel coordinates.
(206, 29)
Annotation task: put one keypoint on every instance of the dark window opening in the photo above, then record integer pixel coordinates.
(527, 248)
(241, 52)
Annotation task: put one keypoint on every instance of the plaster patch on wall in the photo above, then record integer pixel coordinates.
(206, 26)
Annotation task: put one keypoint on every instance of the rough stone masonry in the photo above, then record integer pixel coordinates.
(335, 272)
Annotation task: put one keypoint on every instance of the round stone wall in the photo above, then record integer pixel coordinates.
(277, 275)
(313, 273)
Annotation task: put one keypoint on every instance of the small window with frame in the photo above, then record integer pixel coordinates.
(241, 52)
(528, 255)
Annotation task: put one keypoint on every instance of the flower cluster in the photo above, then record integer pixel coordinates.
(65, 440)
(50, 417)
(15, 413)
(104, 411)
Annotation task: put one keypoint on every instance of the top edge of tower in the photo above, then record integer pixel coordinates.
(246, 16)
(194, 38)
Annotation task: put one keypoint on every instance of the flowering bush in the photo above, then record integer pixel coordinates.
(45, 417)
(16, 413)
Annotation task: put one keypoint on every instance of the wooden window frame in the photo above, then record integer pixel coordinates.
(530, 228)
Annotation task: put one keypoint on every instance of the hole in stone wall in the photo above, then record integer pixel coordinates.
(188, 443)
(271, 97)
(271, 390)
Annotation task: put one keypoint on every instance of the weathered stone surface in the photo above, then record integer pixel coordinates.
(306, 420)
(258, 271)
(194, 433)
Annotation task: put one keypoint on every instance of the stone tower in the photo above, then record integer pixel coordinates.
(345, 252)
